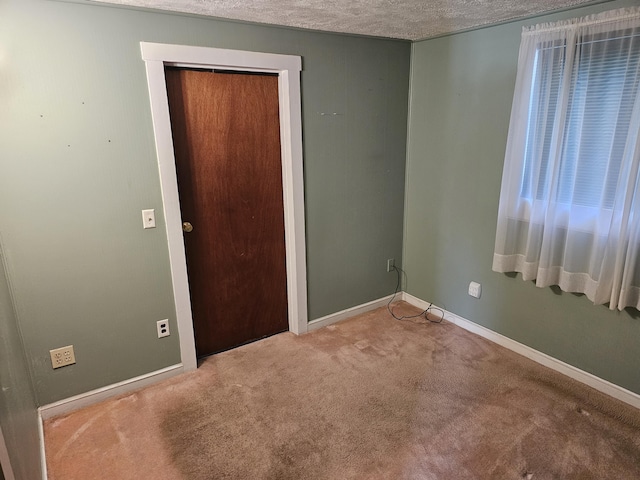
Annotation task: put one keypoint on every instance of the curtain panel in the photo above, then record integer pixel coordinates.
(569, 211)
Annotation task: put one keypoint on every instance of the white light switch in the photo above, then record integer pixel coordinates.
(149, 218)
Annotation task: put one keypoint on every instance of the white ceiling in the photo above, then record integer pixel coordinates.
(404, 19)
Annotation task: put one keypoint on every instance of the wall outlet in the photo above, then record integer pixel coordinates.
(163, 328)
(475, 289)
(391, 263)
(61, 357)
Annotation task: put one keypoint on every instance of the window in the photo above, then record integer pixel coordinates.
(601, 95)
(569, 209)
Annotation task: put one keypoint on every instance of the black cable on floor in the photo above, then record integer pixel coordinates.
(429, 311)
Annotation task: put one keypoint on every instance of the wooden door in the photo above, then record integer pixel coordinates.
(226, 137)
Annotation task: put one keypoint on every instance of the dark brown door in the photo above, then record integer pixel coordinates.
(226, 137)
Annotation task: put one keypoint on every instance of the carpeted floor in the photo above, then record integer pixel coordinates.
(368, 398)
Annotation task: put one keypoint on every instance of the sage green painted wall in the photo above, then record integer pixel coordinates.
(18, 409)
(78, 164)
(461, 93)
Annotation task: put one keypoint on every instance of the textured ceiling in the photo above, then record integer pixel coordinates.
(405, 19)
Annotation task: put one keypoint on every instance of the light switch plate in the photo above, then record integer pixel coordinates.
(149, 218)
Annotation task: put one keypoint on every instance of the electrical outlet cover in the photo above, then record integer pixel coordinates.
(61, 357)
(163, 328)
(475, 289)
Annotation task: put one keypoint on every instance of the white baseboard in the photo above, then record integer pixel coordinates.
(349, 312)
(76, 402)
(94, 396)
(85, 399)
(587, 378)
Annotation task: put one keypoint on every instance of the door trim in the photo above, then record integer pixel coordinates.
(156, 56)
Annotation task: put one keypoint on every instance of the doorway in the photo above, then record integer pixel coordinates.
(157, 57)
(226, 137)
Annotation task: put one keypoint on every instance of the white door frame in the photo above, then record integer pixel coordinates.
(288, 67)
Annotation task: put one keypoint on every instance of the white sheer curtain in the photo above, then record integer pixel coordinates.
(569, 211)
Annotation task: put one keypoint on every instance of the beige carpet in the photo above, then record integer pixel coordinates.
(368, 398)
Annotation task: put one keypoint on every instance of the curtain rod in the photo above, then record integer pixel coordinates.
(632, 13)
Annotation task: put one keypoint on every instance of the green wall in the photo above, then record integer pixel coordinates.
(461, 93)
(78, 164)
(18, 409)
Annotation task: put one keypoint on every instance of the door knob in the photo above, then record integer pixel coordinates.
(187, 227)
